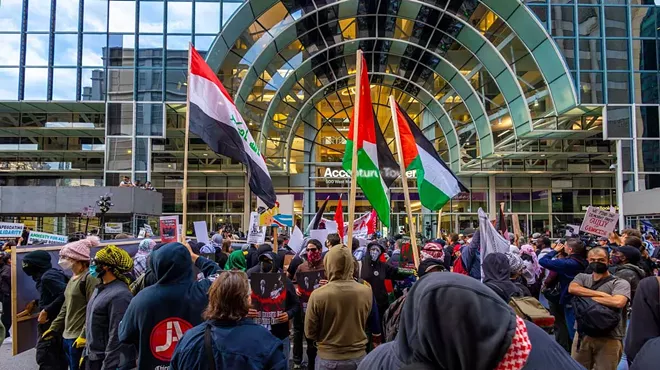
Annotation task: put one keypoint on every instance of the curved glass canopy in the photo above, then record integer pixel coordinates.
(482, 71)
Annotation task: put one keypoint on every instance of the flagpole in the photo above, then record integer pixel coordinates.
(404, 181)
(184, 191)
(356, 117)
(439, 230)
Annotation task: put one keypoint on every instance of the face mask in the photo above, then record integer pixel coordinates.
(374, 253)
(96, 272)
(598, 267)
(266, 266)
(314, 256)
(615, 260)
(65, 264)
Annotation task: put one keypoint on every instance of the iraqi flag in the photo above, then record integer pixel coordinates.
(376, 167)
(436, 183)
(214, 118)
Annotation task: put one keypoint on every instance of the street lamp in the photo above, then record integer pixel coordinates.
(104, 204)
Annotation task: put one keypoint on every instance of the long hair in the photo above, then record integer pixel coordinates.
(228, 297)
(226, 244)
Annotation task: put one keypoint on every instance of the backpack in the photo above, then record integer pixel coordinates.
(391, 318)
(594, 319)
(530, 309)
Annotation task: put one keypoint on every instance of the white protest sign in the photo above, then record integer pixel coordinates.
(114, 228)
(572, 230)
(142, 233)
(256, 234)
(36, 236)
(599, 222)
(320, 235)
(11, 230)
(201, 231)
(296, 240)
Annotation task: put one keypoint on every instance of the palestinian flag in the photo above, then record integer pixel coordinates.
(214, 118)
(376, 167)
(436, 183)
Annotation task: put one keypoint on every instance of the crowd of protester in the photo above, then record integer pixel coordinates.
(563, 304)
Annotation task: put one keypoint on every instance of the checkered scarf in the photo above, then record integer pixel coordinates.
(119, 261)
(518, 353)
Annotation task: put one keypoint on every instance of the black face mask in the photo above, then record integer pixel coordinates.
(266, 266)
(598, 267)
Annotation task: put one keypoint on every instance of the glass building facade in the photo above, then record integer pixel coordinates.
(548, 121)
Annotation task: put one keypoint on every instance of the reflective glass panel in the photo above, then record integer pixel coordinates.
(66, 50)
(64, 83)
(9, 83)
(120, 154)
(228, 9)
(93, 47)
(150, 84)
(122, 16)
(207, 17)
(151, 16)
(179, 17)
(149, 119)
(10, 16)
(38, 15)
(120, 84)
(66, 15)
(141, 154)
(95, 16)
(93, 84)
(36, 83)
(120, 119)
(12, 48)
(37, 50)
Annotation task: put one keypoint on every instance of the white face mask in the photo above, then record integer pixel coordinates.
(65, 263)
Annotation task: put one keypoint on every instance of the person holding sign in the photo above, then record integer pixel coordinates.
(228, 337)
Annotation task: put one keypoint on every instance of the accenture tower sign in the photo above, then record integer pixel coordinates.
(340, 176)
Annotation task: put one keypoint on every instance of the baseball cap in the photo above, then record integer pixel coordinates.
(603, 239)
(536, 235)
(633, 255)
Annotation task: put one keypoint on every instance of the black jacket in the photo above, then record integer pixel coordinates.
(252, 258)
(633, 274)
(51, 285)
(645, 319)
(292, 305)
(375, 273)
(5, 280)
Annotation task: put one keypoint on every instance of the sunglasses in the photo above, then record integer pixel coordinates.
(311, 249)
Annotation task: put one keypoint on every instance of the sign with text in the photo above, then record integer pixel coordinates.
(169, 229)
(10, 230)
(268, 296)
(114, 228)
(307, 283)
(46, 238)
(256, 233)
(201, 231)
(599, 222)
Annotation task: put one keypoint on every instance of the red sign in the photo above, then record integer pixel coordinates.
(169, 229)
(599, 222)
(166, 335)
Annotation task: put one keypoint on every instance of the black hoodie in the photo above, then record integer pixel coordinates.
(160, 314)
(645, 319)
(452, 321)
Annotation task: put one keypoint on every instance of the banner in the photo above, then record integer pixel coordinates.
(256, 233)
(169, 229)
(599, 222)
(281, 215)
(114, 228)
(268, 296)
(307, 283)
(201, 232)
(36, 236)
(10, 230)
(364, 225)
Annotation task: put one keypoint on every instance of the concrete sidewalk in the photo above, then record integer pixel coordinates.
(24, 361)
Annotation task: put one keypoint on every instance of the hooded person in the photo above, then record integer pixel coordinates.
(497, 276)
(625, 265)
(645, 319)
(50, 284)
(452, 321)
(157, 317)
(376, 272)
(145, 248)
(341, 342)
(70, 322)
(236, 261)
(106, 309)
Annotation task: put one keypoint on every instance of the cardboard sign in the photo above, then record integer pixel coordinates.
(320, 235)
(88, 212)
(281, 215)
(169, 229)
(114, 228)
(599, 222)
(307, 283)
(201, 231)
(256, 233)
(296, 240)
(268, 296)
(36, 236)
(10, 230)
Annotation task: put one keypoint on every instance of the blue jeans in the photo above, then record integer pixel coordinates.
(72, 353)
(286, 343)
(569, 314)
(623, 364)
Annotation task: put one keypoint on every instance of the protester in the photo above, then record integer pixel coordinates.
(449, 250)
(614, 240)
(566, 270)
(451, 321)
(532, 272)
(148, 186)
(648, 356)
(337, 314)
(106, 309)
(227, 339)
(236, 261)
(160, 305)
(376, 272)
(543, 246)
(5, 291)
(630, 232)
(50, 284)
(432, 250)
(145, 248)
(497, 276)
(70, 322)
(625, 265)
(314, 262)
(645, 318)
(280, 330)
(648, 243)
(603, 351)
(252, 256)
(332, 240)
(222, 253)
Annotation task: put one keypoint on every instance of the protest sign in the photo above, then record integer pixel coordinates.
(406, 257)
(114, 228)
(36, 236)
(296, 240)
(10, 230)
(572, 230)
(268, 296)
(320, 235)
(281, 215)
(307, 283)
(169, 229)
(201, 231)
(256, 233)
(599, 222)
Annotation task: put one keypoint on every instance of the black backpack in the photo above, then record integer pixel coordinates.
(594, 319)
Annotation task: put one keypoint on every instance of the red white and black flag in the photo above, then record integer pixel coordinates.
(214, 118)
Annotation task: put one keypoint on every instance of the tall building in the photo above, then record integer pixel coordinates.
(548, 106)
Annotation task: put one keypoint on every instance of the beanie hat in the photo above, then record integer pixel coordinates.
(39, 259)
(79, 250)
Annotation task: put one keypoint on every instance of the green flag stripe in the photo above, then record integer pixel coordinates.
(430, 196)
